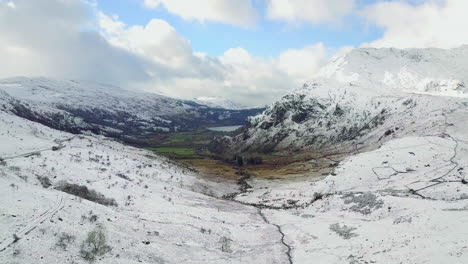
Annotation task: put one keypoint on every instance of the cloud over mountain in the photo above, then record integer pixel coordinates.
(433, 23)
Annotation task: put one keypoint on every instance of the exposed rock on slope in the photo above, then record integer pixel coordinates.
(361, 98)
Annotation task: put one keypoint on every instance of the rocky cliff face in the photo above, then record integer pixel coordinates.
(363, 97)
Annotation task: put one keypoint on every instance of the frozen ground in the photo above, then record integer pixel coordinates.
(405, 202)
(162, 215)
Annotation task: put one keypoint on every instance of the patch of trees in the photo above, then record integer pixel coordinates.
(85, 193)
(241, 161)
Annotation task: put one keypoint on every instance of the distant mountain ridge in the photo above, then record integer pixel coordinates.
(218, 102)
(77, 106)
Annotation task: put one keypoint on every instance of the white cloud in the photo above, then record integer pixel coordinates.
(238, 12)
(236, 56)
(110, 25)
(255, 77)
(310, 11)
(158, 40)
(302, 63)
(11, 4)
(74, 41)
(236, 74)
(434, 23)
(44, 37)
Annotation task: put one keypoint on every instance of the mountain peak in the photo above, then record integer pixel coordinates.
(389, 70)
(219, 102)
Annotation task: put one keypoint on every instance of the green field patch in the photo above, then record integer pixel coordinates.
(176, 152)
(183, 145)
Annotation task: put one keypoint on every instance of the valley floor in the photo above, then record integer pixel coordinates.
(405, 202)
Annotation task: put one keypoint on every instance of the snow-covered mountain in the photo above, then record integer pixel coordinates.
(218, 102)
(77, 106)
(403, 198)
(404, 202)
(363, 97)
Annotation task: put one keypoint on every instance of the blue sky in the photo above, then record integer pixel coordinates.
(266, 38)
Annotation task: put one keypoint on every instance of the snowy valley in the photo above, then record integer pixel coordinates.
(388, 184)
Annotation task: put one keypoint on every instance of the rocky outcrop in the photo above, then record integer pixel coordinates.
(366, 96)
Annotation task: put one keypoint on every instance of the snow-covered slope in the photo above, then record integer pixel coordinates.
(217, 102)
(383, 71)
(397, 131)
(160, 214)
(77, 106)
(404, 202)
(361, 98)
(401, 199)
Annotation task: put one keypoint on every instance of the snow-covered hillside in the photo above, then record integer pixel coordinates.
(421, 71)
(160, 213)
(363, 97)
(406, 202)
(77, 106)
(217, 102)
(395, 123)
(398, 193)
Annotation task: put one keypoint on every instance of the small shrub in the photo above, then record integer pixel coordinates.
(95, 244)
(254, 161)
(346, 232)
(123, 176)
(45, 181)
(23, 177)
(15, 168)
(91, 217)
(85, 193)
(3, 162)
(225, 244)
(203, 231)
(64, 240)
(239, 161)
(15, 238)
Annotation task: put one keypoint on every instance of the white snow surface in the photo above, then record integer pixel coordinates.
(162, 214)
(218, 102)
(388, 70)
(83, 95)
(403, 201)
